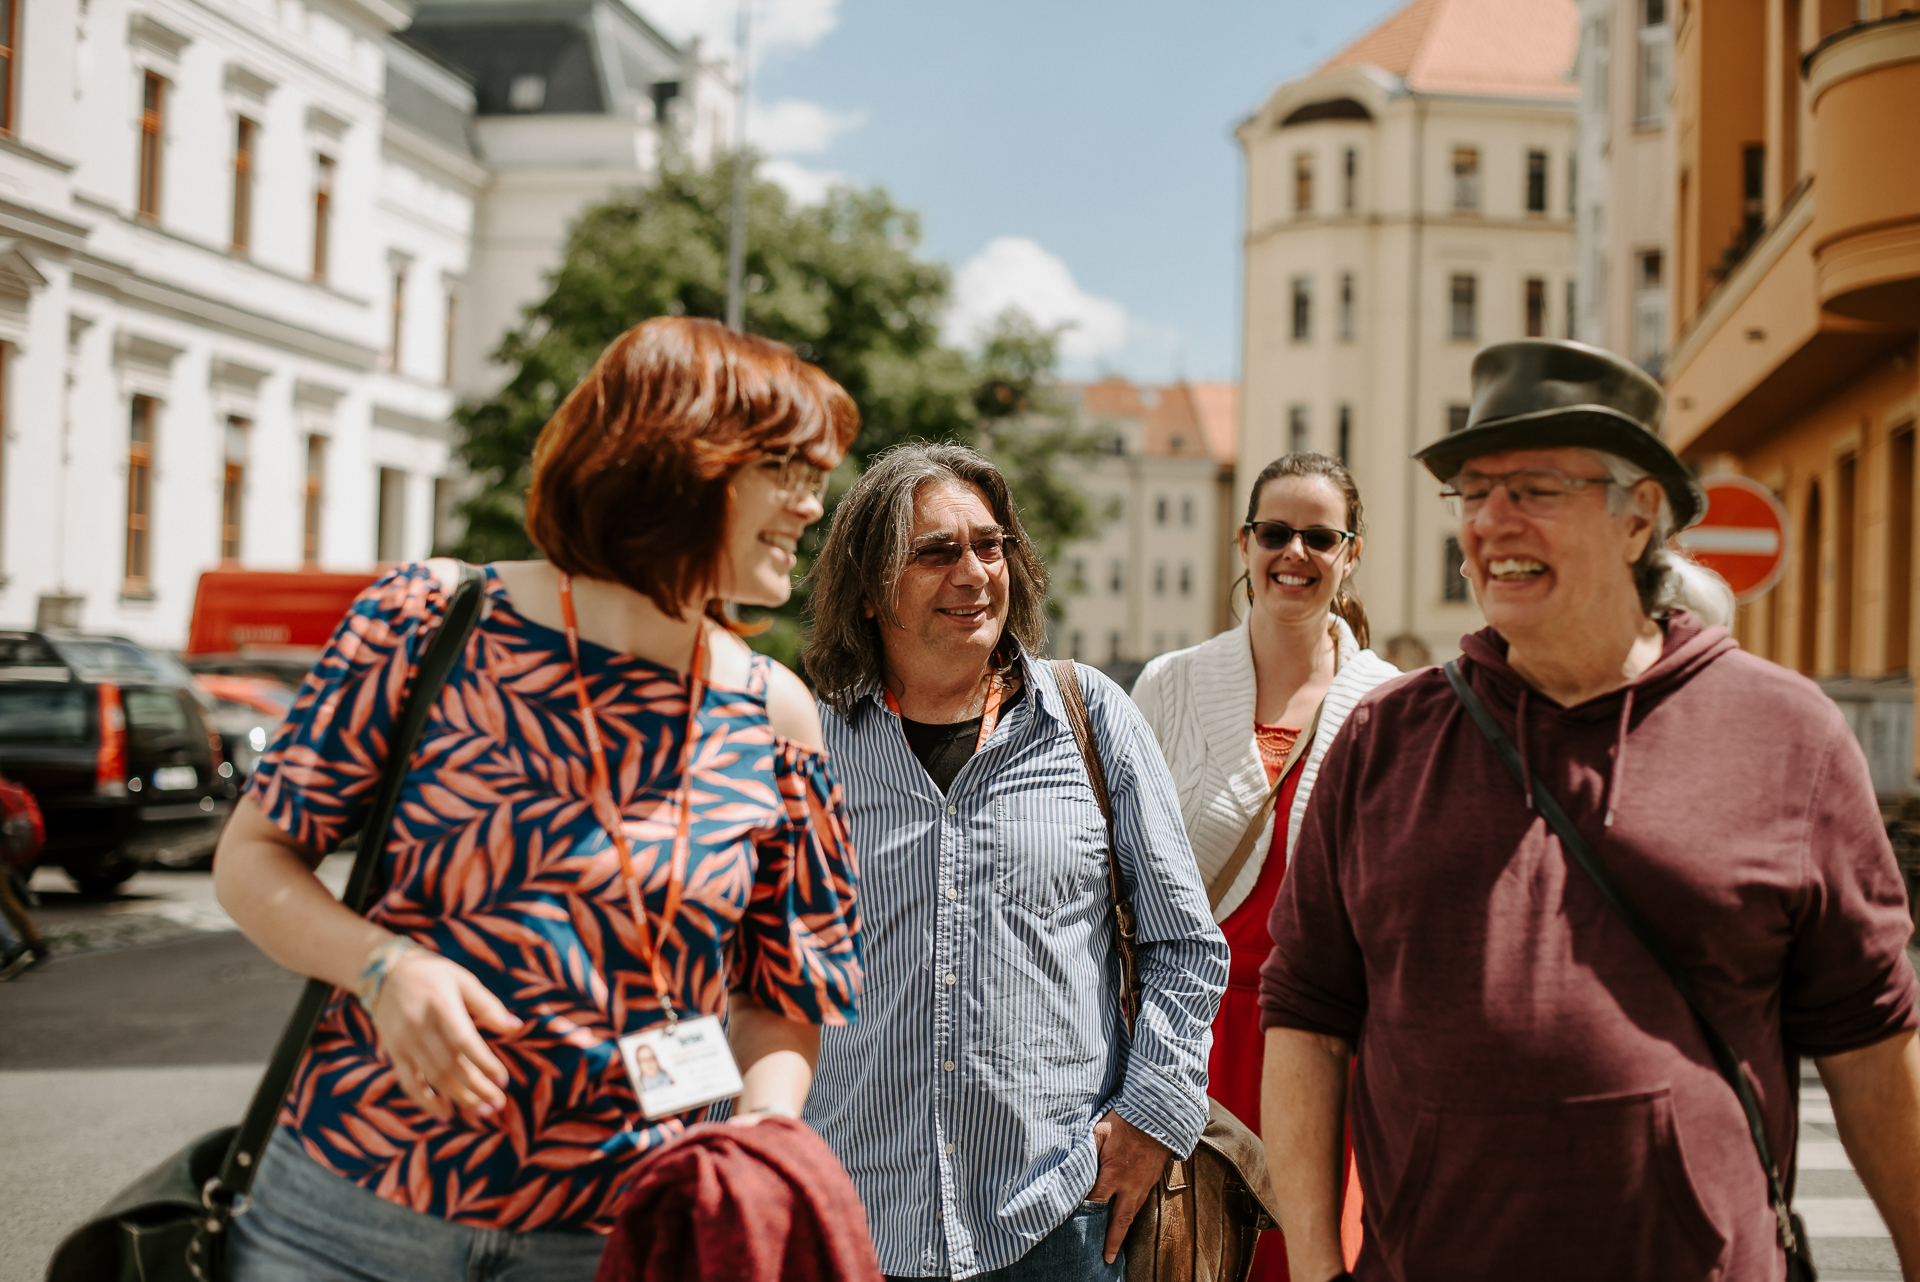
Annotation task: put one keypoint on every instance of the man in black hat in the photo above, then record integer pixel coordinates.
(1516, 874)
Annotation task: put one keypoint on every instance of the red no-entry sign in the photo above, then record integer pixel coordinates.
(1743, 537)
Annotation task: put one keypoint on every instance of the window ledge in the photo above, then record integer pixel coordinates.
(130, 592)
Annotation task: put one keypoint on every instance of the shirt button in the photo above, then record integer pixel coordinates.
(952, 979)
(952, 893)
(948, 1066)
(953, 810)
(949, 1150)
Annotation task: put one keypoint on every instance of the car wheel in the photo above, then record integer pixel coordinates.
(102, 876)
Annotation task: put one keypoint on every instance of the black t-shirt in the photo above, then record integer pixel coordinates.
(943, 749)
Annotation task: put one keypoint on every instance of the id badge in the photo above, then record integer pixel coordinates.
(682, 1067)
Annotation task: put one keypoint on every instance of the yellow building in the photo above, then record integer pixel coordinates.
(1796, 296)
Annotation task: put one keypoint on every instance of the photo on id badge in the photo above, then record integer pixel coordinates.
(681, 1066)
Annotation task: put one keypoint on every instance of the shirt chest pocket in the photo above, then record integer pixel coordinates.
(1046, 853)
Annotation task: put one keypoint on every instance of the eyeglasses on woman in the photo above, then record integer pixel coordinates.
(795, 474)
(1276, 536)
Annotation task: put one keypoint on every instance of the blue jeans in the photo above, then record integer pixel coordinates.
(306, 1224)
(1074, 1252)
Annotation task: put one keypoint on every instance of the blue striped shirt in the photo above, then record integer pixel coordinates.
(990, 1039)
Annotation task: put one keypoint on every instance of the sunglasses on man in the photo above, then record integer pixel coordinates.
(1275, 536)
(944, 556)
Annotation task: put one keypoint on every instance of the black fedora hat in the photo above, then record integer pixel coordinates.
(1543, 393)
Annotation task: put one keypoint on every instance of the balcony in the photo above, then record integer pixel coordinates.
(1864, 82)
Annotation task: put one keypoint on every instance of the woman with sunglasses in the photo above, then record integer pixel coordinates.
(1244, 720)
(619, 819)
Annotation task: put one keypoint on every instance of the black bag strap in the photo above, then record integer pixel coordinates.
(1576, 845)
(226, 1193)
(1067, 677)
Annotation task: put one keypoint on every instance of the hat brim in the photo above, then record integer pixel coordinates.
(1596, 427)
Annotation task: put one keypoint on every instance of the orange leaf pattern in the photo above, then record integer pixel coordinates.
(497, 861)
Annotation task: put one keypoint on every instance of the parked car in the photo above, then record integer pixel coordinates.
(246, 713)
(115, 744)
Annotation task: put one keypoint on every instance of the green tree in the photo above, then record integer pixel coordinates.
(841, 281)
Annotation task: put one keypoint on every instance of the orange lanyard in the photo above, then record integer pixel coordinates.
(989, 715)
(609, 815)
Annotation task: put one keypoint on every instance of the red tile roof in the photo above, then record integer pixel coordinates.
(1505, 48)
(1181, 420)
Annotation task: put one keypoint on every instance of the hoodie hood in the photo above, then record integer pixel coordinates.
(1689, 647)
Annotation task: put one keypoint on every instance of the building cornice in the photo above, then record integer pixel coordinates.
(1443, 222)
(120, 283)
(423, 148)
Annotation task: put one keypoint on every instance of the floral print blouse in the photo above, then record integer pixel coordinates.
(496, 861)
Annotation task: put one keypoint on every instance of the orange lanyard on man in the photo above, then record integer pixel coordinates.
(989, 715)
(609, 815)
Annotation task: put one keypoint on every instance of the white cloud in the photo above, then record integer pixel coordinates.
(1013, 271)
(776, 24)
(806, 186)
(792, 127)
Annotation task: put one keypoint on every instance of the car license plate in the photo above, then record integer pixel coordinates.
(173, 778)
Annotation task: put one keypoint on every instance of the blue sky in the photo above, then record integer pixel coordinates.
(1074, 156)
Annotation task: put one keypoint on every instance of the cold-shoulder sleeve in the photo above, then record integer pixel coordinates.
(799, 948)
(316, 779)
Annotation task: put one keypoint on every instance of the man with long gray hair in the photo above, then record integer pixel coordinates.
(987, 1104)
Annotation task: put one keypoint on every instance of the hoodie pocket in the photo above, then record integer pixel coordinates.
(1594, 1188)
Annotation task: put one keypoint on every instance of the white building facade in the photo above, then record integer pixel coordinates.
(245, 268)
(1624, 192)
(1152, 578)
(1407, 204)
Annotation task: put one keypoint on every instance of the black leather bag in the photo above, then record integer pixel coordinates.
(1204, 1217)
(1792, 1233)
(168, 1225)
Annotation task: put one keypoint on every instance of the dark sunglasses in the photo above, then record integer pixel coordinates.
(944, 556)
(1274, 536)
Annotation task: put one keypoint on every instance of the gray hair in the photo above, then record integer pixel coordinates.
(1666, 579)
(867, 551)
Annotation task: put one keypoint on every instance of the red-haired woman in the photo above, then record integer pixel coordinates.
(619, 820)
(1244, 720)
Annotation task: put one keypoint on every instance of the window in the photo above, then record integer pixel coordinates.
(1845, 519)
(1536, 307)
(1160, 510)
(1186, 580)
(1297, 430)
(1117, 577)
(245, 131)
(1753, 176)
(1536, 182)
(1073, 645)
(1186, 511)
(1350, 181)
(1303, 183)
(1113, 647)
(323, 168)
(1649, 344)
(1457, 418)
(1650, 100)
(315, 498)
(233, 488)
(1159, 578)
(396, 322)
(1573, 316)
(1302, 308)
(390, 520)
(1899, 589)
(1810, 552)
(140, 493)
(1346, 307)
(1466, 178)
(1453, 584)
(1573, 176)
(1346, 436)
(446, 531)
(9, 62)
(153, 102)
(1463, 319)
(446, 371)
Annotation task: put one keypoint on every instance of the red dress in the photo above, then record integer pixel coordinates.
(1239, 1047)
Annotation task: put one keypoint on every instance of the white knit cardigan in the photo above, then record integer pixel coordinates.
(1200, 703)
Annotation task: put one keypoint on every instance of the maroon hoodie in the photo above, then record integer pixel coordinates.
(1532, 1098)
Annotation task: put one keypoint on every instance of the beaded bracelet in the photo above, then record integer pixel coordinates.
(380, 963)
